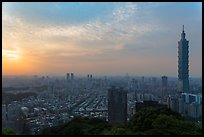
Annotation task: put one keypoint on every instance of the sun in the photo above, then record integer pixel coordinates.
(12, 54)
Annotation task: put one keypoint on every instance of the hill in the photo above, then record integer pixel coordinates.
(148, 121)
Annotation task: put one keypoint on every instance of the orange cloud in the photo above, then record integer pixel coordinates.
(119, 47)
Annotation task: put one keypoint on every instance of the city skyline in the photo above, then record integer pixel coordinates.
(117, 38)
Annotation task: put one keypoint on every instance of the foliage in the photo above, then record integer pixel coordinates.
(162, 122)
(117, 131)
(6, 131)
(78, 126)
(171, 126)
(147, 121)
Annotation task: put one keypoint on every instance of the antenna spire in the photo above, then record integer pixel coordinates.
(183, 27)
(183, 33)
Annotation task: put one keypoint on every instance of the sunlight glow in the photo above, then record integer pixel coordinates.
(10, 54)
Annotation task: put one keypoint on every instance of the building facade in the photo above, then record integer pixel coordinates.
(72, 76)
(164, 82)
(117, 105)
(68, 77)
(164, 85)
(183, 66)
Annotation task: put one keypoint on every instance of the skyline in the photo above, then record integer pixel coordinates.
(57, 38)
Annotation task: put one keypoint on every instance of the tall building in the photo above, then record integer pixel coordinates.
(164, 86)
(89, 76)
(164, 82)
(117, 105)
(174, 104)
(154, 82)
(168, 102)
(194, 110)
(72, 76)
(67, 76)
(3, 111)
(183, 76)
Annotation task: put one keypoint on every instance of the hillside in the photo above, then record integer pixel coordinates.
(147, 121)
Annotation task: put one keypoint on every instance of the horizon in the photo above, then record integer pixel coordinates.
(99, 76)
(134, 38)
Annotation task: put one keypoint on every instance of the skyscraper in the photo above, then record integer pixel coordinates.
(164, 82)
(67, 76)
(183, 76)
(154, 82)
(89, 76)
(72, 76)
(117, 105)
(164, 86)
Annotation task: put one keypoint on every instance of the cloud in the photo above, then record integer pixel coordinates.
(124, 12)
(113, 31)
(119, 47)
(103, 36)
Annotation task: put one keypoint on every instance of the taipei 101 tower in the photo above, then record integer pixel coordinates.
(183, 76)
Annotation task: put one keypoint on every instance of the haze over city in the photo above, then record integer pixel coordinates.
(99, 38)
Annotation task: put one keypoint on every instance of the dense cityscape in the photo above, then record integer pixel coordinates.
(58, 99)
(33, 103)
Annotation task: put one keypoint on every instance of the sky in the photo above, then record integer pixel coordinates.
(101, 38)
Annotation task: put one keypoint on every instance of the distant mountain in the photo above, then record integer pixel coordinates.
(148, 121)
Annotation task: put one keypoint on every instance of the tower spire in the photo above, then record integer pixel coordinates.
(183, 28)
(183, 33)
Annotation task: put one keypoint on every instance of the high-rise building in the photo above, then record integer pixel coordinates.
(142, 82)
(164, 82)
(154, 81)
(72, 76)
(117, 105)
(183, 76)
(148, 97)
(89, 76)
(164, 86)
(189, 98)
(3, 111)
(174, 104)
(194, 110)
(168, 102)
(67, 76)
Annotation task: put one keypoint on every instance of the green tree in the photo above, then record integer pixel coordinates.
(118, 131)
(171, 126)
(148, 121)
(79, 126)
(162, 121)
(6, 131)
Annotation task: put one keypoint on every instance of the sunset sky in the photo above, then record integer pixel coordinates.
(53, 38)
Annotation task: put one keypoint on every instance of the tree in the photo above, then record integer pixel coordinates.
(6, 131)
(162, 122)
(148, 121)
